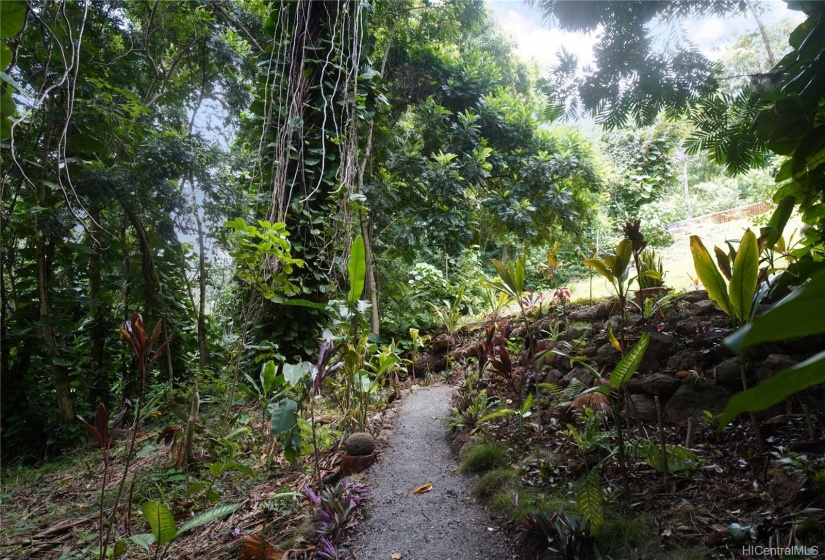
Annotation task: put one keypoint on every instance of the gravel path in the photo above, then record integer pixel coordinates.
(443, 524)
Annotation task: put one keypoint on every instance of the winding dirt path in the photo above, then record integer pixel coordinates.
(443, 524)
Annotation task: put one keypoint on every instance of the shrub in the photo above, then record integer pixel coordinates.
(484, 457)
(492, 482)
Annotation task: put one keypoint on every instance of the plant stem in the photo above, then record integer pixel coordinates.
(743, 369)
(315, 440)
(621, 453)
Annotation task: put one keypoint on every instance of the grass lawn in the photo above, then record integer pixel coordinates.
(677, 260)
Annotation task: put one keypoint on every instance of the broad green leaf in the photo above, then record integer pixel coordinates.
(161, 521)
(600, 268)
(5, 55)
(624, 251)
(776, 389)
(119, 549)
(268, 376)
(589, 499)
(779, 219)
(294, 373)
(12, 17)
(208, 516)
(627, 366)
(743, 279)
(143, 540)
(709, 275)
(284, 416)
(799, 314)
(357, 269)
(527, 404)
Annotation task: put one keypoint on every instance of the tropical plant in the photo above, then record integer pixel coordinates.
(615, 269)
(735, 293)
(651, 270)
(284, 412)
(496, 301)
(470, 411)
(450, 313)
(335, 507)
(165, 531)
(567, 534)
(680, 460)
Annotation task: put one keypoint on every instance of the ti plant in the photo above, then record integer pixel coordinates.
(615, 269)
(735, 293)
(732, 286)
(319, 371)
(165, 531)
(104, 437)
(496, 300)
(135, 334)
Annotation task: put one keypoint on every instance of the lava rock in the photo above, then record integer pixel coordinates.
(597, 312)
(635, 320)
(686, 360)
(607, 355)
(658, 349)
(642, 407)
(360, 444)
(553, 376)
(728, 374)
(572, 333)
(772, 365)
(694, 296)
(704, 307)
(692, 399)
(660, 384)
(580, 373)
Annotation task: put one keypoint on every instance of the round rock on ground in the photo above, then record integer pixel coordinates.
(360, 443)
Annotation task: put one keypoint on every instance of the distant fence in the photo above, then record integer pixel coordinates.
(724, 216)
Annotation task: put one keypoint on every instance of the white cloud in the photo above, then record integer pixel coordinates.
(536, 40)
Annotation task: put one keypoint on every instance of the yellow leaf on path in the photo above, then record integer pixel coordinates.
(421, 489)
(395, 556)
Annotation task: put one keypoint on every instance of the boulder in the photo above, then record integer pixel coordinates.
(580, 373)
(572, 333)
(660, 384)
(686, 360)
(360, 444)
(442, 343)
(642, 407)
(728, 374)
(598, 312)
(704, 307)
(589, 351)
(635, 320)
(607, 355)
(693, 398)
(772, 365)
(660, 347)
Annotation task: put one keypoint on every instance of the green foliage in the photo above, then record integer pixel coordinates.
(680, 460)
(567, 534)
(510, 277)
(484, 457)
(493, 481)
(736, 297)
(451, 313)
(470, 411)
(592, 434)
(357, 269)
(650, 261)
(615, 269)
(629, 363)
(590, 499)
(165, 530)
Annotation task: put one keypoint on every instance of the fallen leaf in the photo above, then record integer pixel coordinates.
(395, 556)
(421, 489)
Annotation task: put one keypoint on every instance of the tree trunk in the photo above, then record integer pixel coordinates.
(202, 355)
(372, 287)
(768, 49)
